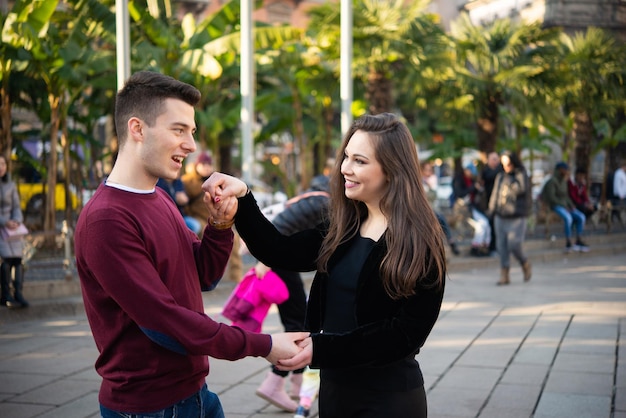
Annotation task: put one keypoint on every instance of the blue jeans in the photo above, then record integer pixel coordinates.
(571, 216)
(202, 404)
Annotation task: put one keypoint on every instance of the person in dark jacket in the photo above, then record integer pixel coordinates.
(555, 194)
(304, 211)
(381, 267)
(509, 205)
(488, 178)
(11, 250)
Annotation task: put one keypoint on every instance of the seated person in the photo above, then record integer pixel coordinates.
(466, 190)
(429, 179)
(556, 196)
(176, 190)
(577, 188)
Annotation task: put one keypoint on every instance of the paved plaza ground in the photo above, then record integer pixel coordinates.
(553, 347)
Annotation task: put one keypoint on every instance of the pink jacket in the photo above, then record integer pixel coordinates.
(251, 299)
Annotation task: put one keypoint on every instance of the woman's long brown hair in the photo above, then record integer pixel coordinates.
(415, 249)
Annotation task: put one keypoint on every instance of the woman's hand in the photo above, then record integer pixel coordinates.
(222, 186)
(300, 360)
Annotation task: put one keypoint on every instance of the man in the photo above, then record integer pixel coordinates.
(555, 194)
(142, 270)
(487, 179)
(619, 185)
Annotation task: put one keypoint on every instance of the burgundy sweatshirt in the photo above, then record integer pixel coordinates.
(142, 271)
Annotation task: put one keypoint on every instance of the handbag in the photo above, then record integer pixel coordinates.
(251, 298)
(13, 234)
(238, 306)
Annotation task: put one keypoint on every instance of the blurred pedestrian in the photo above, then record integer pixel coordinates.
(303, 212)
(487, 179)
(11, 241)
(510, 205)
(192, 182)
(176, 190)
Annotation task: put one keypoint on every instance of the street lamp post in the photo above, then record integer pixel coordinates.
(247, 91)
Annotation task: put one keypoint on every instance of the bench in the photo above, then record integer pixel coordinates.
(544, 216)
(607, 212)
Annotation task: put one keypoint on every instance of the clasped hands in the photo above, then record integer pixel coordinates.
(290, 350)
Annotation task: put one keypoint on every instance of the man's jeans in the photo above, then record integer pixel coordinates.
(202, 404)
(571, 216)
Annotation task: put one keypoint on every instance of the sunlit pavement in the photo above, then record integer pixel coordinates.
(552, 347)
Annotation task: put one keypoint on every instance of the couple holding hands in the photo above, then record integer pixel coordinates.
(379, 259)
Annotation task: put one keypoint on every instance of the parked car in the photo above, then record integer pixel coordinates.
(32, 197)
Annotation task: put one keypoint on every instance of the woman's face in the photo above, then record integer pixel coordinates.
(363, 174)
(506, 163)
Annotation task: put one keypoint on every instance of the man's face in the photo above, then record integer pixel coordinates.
(170, 140)
(493, 160)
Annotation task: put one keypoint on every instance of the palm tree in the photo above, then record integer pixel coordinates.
(25, 24)
(204, 54)
(65, 61)
(387, 37)
(595, 68)
(497, 65)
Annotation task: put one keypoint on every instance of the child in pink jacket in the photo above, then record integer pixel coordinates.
(251, 299)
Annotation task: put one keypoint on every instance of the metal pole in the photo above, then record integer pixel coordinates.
(122, 33)
(346, 86)
(247, 91)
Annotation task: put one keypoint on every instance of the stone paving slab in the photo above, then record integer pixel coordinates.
(553, 347)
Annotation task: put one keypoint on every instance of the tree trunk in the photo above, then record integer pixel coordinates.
(583, 136)
(306, 162)
(6, 140)
(379, 92)
(487, 126)
(67, 163)
(49, 222)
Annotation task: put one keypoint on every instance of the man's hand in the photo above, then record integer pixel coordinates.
(222, 211)
(300, 360)
(285, 346)
(220, 196)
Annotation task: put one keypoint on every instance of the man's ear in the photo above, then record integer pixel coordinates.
(135, 129)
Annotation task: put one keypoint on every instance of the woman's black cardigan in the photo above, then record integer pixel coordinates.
(388, 330)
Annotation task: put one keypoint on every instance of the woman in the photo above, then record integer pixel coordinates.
(510, 204)
(11, 250)
(380, 261)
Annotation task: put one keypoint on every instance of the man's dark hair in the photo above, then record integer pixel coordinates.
(143, 95)
(581, 170)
